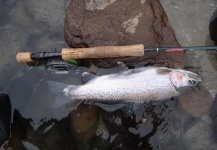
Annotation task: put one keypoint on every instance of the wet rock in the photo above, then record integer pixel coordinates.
(48, 13)
(51, 135)
(84, 122)
(95, 143)
(9, 65)
(103, 23)
(18, 131)
(200, 134)
(180, 15)
(213, 115)
(213, 110)
(215, 127)
(23, 29)
(118, 130)
(170, 132)
(20, 15)
(1, 8)
(180, 130)
(213, 27)
(135, 131)
(196, 102)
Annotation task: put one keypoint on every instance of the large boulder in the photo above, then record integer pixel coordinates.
(91, 23)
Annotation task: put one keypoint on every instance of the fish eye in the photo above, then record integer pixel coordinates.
(191, 82)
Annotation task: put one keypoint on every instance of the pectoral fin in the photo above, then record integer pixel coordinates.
(87, 76)
(109, 107)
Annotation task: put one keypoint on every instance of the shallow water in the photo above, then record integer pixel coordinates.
(38, 26)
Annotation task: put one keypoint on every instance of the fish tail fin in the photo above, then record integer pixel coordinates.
(56, 87)
(60, 98)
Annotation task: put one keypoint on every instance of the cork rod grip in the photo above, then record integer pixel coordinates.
(24, 57)
(102, 52)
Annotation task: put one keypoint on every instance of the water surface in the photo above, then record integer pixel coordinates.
(38, 26)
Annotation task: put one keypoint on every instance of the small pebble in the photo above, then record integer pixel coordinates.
(144, 120)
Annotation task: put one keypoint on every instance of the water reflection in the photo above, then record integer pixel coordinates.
(152, 125)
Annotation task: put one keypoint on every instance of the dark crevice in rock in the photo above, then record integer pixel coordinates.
(155, 32)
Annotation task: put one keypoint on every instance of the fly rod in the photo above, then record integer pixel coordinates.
(67, 54)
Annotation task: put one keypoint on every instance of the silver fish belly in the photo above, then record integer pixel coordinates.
(138, 85)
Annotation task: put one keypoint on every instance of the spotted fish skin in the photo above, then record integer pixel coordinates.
(136, 85)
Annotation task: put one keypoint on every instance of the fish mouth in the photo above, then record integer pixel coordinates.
(199, 81)
(195, 77)
(194, 80)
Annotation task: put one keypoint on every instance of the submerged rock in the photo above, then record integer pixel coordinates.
(135, 131)
(213, 27)
(91, 23)
(196, 102)
(84, 122)
(51, 135)
(213, 116)
(200, 135)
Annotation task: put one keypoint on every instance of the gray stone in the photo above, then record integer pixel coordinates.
(187, 16)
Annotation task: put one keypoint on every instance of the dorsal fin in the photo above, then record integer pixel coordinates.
(122, 67)
(163, 70)
(87, 76)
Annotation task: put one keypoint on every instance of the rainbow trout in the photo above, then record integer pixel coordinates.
(136, 85)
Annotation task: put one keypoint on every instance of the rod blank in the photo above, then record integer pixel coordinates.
(103, 52)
